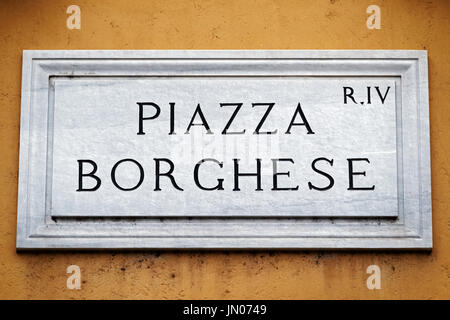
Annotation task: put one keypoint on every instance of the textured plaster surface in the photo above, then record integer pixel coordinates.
(225, 25)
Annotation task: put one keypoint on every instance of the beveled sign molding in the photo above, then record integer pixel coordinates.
(50, 217)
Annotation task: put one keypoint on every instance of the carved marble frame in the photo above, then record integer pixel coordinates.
(412, 229)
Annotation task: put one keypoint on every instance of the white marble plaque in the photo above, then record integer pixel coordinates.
(238, 149)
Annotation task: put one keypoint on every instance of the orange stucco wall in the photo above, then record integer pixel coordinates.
(225, 24)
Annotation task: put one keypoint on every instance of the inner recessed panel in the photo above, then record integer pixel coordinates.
(127, 147)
